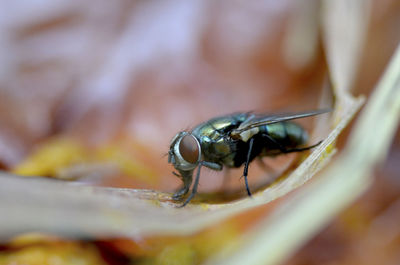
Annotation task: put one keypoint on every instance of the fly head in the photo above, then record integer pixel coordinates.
(184, 152)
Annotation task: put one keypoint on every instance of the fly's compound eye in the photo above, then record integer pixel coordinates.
(189, 149)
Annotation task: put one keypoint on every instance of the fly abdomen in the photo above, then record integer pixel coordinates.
(287, 134)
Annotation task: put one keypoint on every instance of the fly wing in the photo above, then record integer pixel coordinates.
(254, 121)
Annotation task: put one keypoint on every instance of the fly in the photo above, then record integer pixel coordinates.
(234, 140)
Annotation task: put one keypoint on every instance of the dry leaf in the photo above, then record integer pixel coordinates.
(74, 210)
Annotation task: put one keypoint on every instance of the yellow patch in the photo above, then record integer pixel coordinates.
(50, 157)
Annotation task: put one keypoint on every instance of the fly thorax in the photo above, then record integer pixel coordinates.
(221, 147)
(214, 148)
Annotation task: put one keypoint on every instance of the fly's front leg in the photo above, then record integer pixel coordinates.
(186, 177)
(195, 185)
(211, 165)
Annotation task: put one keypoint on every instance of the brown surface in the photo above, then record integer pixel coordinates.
(135, 74)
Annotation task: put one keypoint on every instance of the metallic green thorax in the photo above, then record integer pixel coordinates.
(218, 146)
(214, 139)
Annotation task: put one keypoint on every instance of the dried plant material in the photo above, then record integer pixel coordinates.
(345, 24)
(68, 159)
(70, 209)
(344, 180)
(51, 157)
(112, 212)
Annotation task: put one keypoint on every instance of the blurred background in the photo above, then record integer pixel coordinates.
(93, 91)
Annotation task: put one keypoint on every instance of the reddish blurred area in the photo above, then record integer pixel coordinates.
(128, 75)
(367, 232)
(140, 72)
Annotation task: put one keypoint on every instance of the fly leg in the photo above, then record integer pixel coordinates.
(180, 193)
(291, 150)
(195, 185)
(186, 177)
(246, 166)
(211, 165)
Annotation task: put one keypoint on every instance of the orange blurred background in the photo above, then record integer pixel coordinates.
(112, 82)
